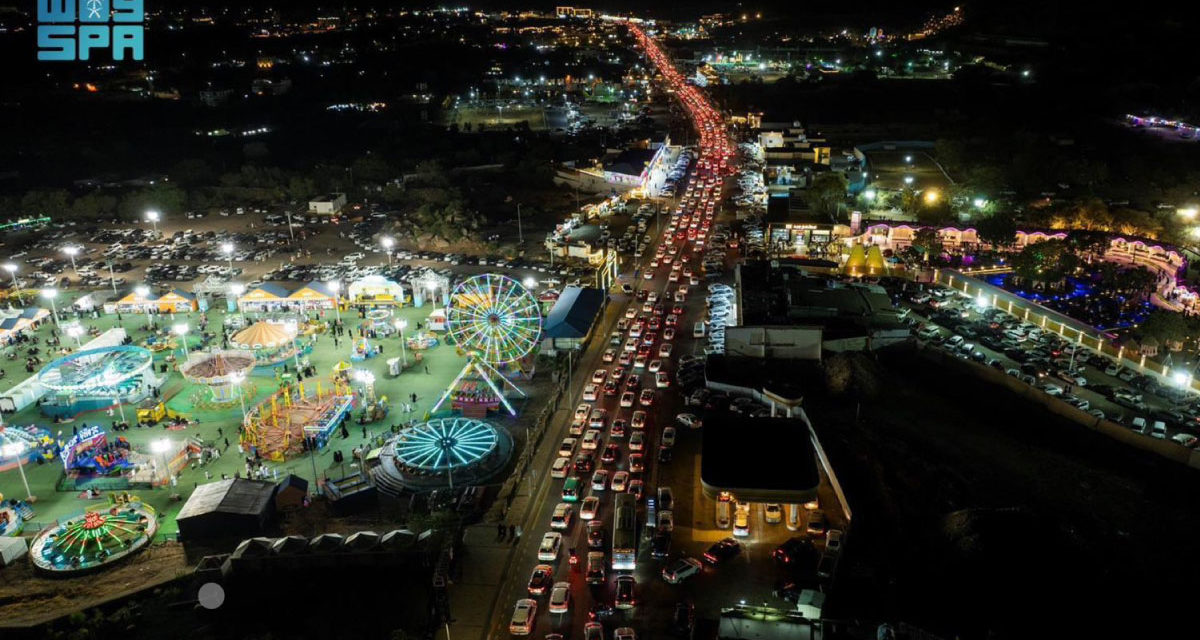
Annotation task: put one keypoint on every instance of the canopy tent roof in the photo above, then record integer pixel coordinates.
(262, 334)
(574, 312)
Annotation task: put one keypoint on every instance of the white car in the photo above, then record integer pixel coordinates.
(662, 379)
(523, 618)
(638, 421)
(599, 375)
(589, 393)
(600, 480)
(560, 598)
(562, 516)
(637, 441)
(689, 420)
(589, 508)
(548, 550)
(567, 447)
(591, 440)
(681, 570)
(560, 468)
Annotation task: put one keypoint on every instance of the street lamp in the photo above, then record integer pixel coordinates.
(181, 330)
(227, 249)
(530, 283)
(160, 447)
(869, 194)
(400, 325)
(143, 292)
(238, 378)
(75, 331)
(908, 179)
(1182, 378)
(12, 271)
(71, 252)
(1187, 213)
(14, 450)
(153, 216)
(931, 196)
(388, 243)
(51, 294)
(237, 289)
(336, 286)
(980, 203)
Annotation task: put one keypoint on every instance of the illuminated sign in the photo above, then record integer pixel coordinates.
(70, 29)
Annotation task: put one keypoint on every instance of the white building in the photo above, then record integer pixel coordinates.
(329, 204)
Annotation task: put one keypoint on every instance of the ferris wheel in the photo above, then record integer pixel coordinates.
(494, 318)
(497, 323)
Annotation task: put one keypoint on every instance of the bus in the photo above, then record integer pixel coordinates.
(624, 538)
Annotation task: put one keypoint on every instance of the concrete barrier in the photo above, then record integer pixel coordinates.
(1165, 448)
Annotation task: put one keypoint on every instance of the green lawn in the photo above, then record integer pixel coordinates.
(443, 364)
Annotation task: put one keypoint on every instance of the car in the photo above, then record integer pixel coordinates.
(664, 349)
(681, 570)
(1185, 439)
(589, 508)
(591, 440)
(582, 411)
(683, 619)
(646, 398)
(585, 462)
(567, 447)
(598, 418)
(636, 463)
(618, 428)
(560, 468)
(637, 488)
(571, 486)
(590, 392)
(562, 517)
(611, 453)
(599, 376)
(624, 633)
(548, 549)
(795, 552)
(689, 420)
(594, 571)
(833, 541)
(772, 513)
(624, 598)
(655, 366)
(523, 618)
(595, 534)
(620, 481)
(668, 437)
(816, 523)
(741, 519)
(666, 520)
(638, 421)
(540, 579)
(662, 380)
(637, 441)
(609, 356)
(600, 480)
(593, 631)
(610, 388)
(627, 399)
(560, 597)
(722, 550)
(1052, 389)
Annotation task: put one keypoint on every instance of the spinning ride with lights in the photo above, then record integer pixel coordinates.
(95, 538)
(223, 373)
(96, 379)
(441, 451)
(289, 420)
(497, 324)
(272, 342)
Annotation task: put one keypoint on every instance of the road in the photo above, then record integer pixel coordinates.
(656, 600)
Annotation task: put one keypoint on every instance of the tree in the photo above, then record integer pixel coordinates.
(1167, 326)
(1048, 261)
(827, 191)
(998, 230)
(1088, 241)
(927, 241)
(45, 202)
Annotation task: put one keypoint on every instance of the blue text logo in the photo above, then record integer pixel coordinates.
(73, 29)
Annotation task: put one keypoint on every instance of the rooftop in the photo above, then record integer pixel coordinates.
(759, 460)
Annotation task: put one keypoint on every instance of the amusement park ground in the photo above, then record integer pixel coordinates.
(442, 361)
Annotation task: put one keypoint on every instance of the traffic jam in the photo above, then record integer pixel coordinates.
(588, 551)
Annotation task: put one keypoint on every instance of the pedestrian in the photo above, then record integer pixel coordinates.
(426, 368)
(518, 534)
(220, 433)
(512, 531)
(226, 444)
(364, 432)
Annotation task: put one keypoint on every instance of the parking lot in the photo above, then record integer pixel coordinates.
(1088, 380)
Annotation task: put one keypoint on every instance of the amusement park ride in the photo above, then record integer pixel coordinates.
(497, 324)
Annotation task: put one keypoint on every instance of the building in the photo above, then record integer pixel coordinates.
(632, 167)
(173, 301)
(329, 204)
(230, 508)
(794, 230)
(784, 311)
(573, 12)
(570, 321)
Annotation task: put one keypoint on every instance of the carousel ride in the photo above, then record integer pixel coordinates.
(222, 375)
(443, 451)
(95, 538)
(290, 420)
(496, 323)
(96, 379)
(272, 343)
